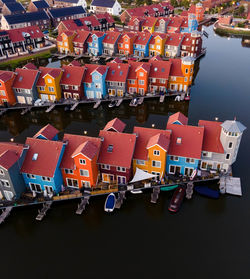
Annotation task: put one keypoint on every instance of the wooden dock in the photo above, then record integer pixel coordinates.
(155, 194)
(82, 205)
(5, 214)
(140, 101)
(119, 200)
(119, 102)
(49, 109)
(162, 98)
(43, 211)
(189, 190)
(97, 104)
(74, 106)
(26, 110)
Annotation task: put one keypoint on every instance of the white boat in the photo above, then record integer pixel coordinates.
(136, 191)
(110, 203)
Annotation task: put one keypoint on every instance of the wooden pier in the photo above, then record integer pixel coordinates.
(97, 104)
(74, 106)
(119, 102)
(26, 110)
(5, 213)
(81, 206)
(162, 98)
(119, 200)
(155, 194)
(43, 211)
(49, 109)
(189, 190)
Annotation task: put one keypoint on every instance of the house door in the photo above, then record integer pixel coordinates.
(112, 92)
(52, 98)
(177, 170)
(141, 91)
(44, 97)
(120, 93)
(188, 171)
(8, 195)
(76, 96)
(90, 94)
(49, 189)
(21, 100)
(185, 88)
(29, 100)
(67, 95)
(98, 95)
(180, 88)
(121, 179)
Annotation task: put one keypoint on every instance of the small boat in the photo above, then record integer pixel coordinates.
(177, 199)
(169, 188)
(110, 203)
(187, 98)
(134, 102)
(136, 191)
(207, 192)
(112, 103)
(66, 108)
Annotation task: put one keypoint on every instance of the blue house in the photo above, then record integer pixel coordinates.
(95, 46)
(47, 133)
(40, 168)
(141, 44)
(191, 25)
(94, 81)
(185, 148)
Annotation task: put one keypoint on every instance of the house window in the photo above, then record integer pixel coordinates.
(66, 87)
(186, 71)
(5, 183)
(97, 85)
(51, 89)
(156, 164)
(49, 189)
(44, 178)
(1, 172)
(82, 162)
(49, 80)
(30, 176)
(141, 74)
(121, 169)
(68, 171)
(188, 171)
(140, 162)
(75, 87)
(42, 88)
(230, 145)
(158, 175)
(190, 160)
(35, 187)
(84, 173)
(156, 152)
(171, 169)
(162, 81)
(141, 82)
(227, 156)
(72, 182)
(185, 80)
(132, 82)
(85, 184)
(174, 158)
(204, 165)
(106, 167)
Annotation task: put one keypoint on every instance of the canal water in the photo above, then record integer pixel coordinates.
(206, 239)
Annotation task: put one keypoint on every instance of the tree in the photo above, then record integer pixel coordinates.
(241, 10)
(139, 2)
(148, 2)
(174, 3)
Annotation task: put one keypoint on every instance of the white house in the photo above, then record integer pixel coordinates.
(108, 6)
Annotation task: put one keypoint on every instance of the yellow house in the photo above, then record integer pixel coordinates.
(151, 150)
(65, 42)
(48, 84)
(181, 74)
(157, 44)
(149, 24)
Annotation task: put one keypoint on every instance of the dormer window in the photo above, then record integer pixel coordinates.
(110, 148)
(156, 152)
(1, 172)
(178, 141)
(82, 162)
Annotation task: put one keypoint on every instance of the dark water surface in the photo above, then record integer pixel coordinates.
(206, 239)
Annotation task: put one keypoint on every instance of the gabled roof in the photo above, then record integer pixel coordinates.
(117, 72)
(106, 16)
(98, 34)
(81, 36)
(10, 153)
(68, 11)
(175, 22)
(174, 39)
(101, 3)
(73, 144)
(178, 118)
(142, 38)
(30, 66)
(156, 58)
(111, 37)
(41, 4)
(88, 149)
(115, 125)
(160, 69)
(187, 40)
(233, 126)
(29, 17)
(117, 155)
(157, 35)
(48, 132)
(135, 66)
(149, 21)
(146, 138)
(176, 67)
(72, 75)
(6, 75)
(15, 7)
(130, 35)
(75, 63)
(116, 60)
(19, 34)
(186, 141)
(211, 140)
(25, 78)
(53, 72)
(100, 69)
(134, 19)
(48, 154)
(91, 68)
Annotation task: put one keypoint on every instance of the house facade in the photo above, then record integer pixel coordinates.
(157, 44)
(112, 7)
(141, 44)
(65, 42)
(110, 43)
(126, 43)
(191, 45)
(80, 44)
(95, 43)
(173, 45)
(7, 96)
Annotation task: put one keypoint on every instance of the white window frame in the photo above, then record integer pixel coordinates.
(105, 167)
(83, 172)
(153, 161)
(71, 179)
(68, 171)
(35, 184)
(156, 152)
(82, 161)
(4, 181)
(140, 162)
(121, 169)
(1, 172)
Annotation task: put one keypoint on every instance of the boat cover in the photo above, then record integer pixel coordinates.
(141, 175)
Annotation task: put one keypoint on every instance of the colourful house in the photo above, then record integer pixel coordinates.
(138, 77)
(126, 43)
(95, 46)
(94, 81)
(141, 44)
(6, 93)
(48, 132)
(151, 150)
(185, 147)
(79, 163)
(135, 24)
(157, 44)
(149, 24)
(65, 42)
(41, 166)
(80, 44)
(48, 84)
(173, 45)
(181, 74)
(161, 24)
(110, 43)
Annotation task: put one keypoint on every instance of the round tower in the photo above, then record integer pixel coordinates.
(187, 67)
(231, 133)
(199, 12)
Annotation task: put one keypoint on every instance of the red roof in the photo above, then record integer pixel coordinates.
(53, 72)
(88, 149)
(155, 35)
(10, 153)
(211, 141)
(25, 78)
(149, 21)
(176, 67)
(72, 75)
(142, 38)
(192, 9)
(160, 69)
(147, 137)
(184, 13)
(175, 22)
(122, 149)
(89, 69)
(81, 36)
(117, 72)
(111, 37)
(156, 58)
(186, 141)
(98, 34)
(48, 131)
(135, 18)
(135, 66)
(115, 125)
(178, 117)
(174, 39)
(75, 63)
(5, 75)
(30, 66)
(130, 35)
(47, 159)
(166, 19)
(73, 144)
(116, 60)
(187, 40)
(107, 16)
(17, 35)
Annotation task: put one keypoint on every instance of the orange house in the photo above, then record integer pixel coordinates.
(78, 166)
(125, 43)
(65, 42)
(6, 92)
(137, 81)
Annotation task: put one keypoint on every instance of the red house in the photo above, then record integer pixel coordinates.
(6, 93)
(191, 44)
(116, 156)
(80, 42)
(72, 82)
(125, 43)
